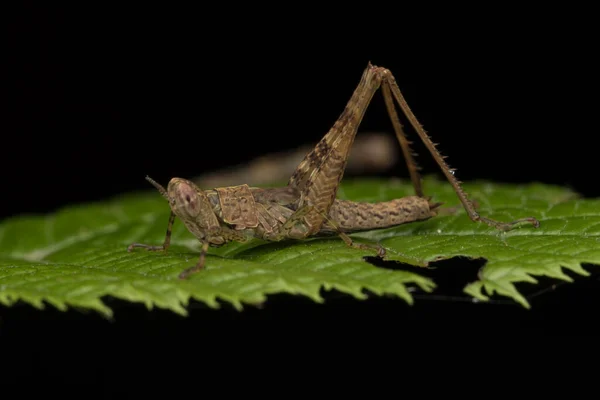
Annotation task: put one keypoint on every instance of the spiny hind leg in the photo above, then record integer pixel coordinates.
(318, 175)
(445, 211)
(409, 155)
(390, 82)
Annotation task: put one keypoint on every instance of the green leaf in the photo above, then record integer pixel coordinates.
(77, 255)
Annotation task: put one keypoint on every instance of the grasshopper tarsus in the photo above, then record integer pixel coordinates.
(187, 272)
(506, 226)
(144, 246)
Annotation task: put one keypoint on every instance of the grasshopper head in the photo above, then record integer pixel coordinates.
(187, 201)
(185, 198)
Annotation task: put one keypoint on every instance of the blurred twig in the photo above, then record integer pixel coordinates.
(372, 152)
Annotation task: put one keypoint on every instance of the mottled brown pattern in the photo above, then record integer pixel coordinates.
(341, 134)
(287, 196)
(238, 207)
(319, 174)
(273, 217)
(351, 216)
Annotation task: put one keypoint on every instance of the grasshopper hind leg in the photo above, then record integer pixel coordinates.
(391, 87)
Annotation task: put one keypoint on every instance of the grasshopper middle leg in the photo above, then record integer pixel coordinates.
(199, 265)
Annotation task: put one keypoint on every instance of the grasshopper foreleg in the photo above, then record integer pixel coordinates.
(165, 244)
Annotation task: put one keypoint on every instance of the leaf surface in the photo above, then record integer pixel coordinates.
(76, 256)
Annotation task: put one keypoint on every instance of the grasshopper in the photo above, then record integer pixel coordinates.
(307, 206)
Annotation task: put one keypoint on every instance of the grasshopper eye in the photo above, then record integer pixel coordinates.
(189, 202)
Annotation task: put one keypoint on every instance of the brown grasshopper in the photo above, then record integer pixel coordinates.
(307, 206)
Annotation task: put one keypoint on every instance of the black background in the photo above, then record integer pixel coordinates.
(93, 99)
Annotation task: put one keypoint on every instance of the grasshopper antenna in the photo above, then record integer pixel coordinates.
(158, 186)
